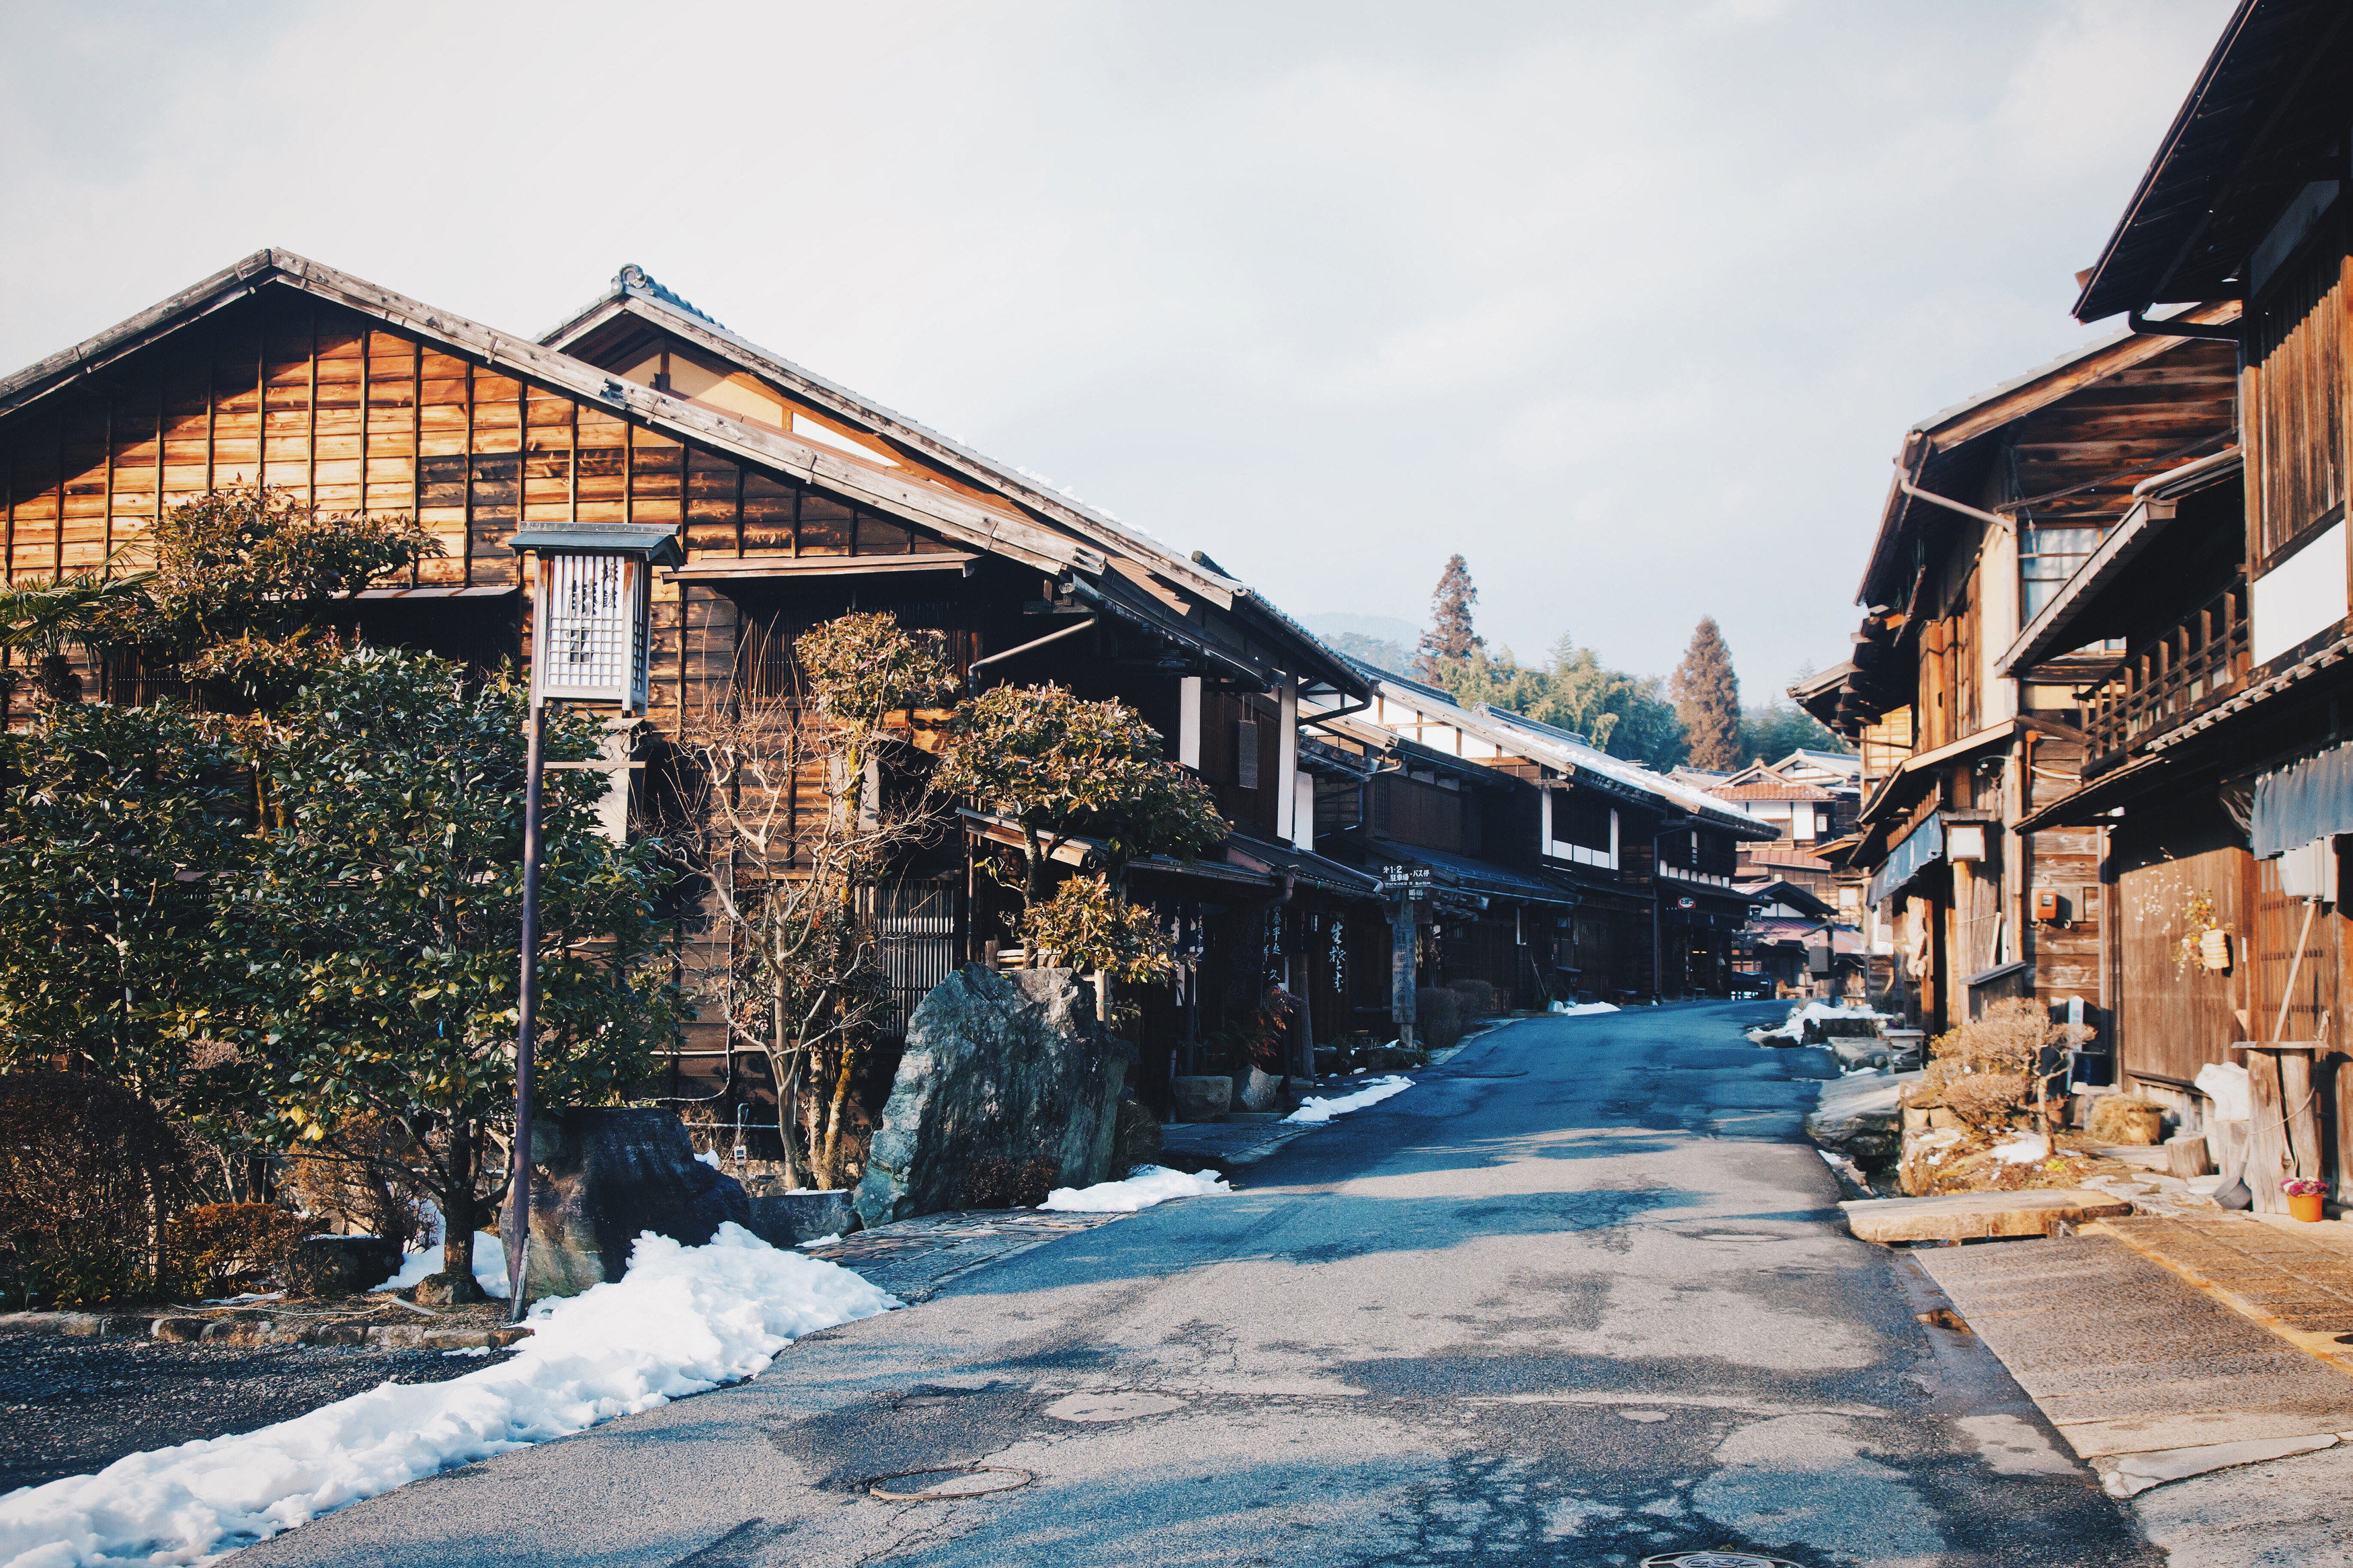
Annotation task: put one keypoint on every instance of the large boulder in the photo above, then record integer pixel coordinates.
(998, 1066)
(604, 1177)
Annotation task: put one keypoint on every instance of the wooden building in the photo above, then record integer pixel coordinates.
(1994, 504)
(2217, 707)
(1581, 874)
(794, 499)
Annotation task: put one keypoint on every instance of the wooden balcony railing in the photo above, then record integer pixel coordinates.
(2166, 678)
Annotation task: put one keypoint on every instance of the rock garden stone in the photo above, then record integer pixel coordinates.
(1202, 1098)
(1256, 1091)
(606, 1176)
(786, 1217)
(1009, 1066)
(338, 1265)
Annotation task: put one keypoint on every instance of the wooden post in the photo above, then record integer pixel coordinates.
(2296, 1071)
(2342, 1072)
(2268, 1156)
(1402, 977)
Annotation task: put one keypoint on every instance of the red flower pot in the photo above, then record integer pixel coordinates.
(2304, 1206)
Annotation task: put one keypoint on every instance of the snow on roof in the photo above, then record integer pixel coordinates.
(1564, 749)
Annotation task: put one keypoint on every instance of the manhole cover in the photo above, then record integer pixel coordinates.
(948, 1483)
(1715, 1560)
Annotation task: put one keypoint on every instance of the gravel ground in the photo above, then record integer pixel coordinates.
(69, 1406)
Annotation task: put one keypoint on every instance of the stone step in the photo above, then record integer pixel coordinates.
(1977, 1216)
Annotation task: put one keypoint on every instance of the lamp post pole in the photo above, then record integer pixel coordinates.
(591, 640)
(526, 1009)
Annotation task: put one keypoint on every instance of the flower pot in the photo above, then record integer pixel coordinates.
(2304, 1206)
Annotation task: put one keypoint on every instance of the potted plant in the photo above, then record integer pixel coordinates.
(2303, 1195)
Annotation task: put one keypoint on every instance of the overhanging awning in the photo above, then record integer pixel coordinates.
(2096, 799)
(1921, 849)
(2302, 802)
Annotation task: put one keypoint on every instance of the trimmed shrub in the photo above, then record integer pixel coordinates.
(1478, 997)
(221, 1249)
(1438, 1017)
(89, 1174)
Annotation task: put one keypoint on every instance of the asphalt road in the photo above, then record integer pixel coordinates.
(1580, 1297)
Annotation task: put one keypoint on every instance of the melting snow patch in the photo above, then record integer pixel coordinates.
(681, 1321)
(1581, 1009)
(1145, 1186)
(490, 1261)
(2023, 1150)
(1314, 1108)
(1794, 1027)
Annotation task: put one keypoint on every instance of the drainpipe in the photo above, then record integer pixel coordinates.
(1903, 482)
(972, 672)
(2174, 327)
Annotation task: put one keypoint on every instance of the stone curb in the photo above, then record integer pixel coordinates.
(186, 1329)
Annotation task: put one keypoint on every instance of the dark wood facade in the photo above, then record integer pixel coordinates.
(794, 502)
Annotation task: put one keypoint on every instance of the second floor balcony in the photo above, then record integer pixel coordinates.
(2170, 677)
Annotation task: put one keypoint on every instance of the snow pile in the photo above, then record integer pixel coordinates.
(1580, 1009)
(1315, 1109)
(489, 1260)
(683, 1320)
(1145, 1186)
(2225, 1083)
(1794, 1028)
(2023, 1150)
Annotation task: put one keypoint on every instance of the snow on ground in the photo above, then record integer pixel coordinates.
(1145, 1186)
(1795, 1027)
(1580, 1009)
(490, 1261)
(1314, 1108)
(681, 1321)
(2023, 1150)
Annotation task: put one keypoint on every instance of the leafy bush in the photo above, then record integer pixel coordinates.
(1438, 1017)
(361, 1178)
(89, 1172)
(990, 1182)
(1089, 927)
(220, 1250)
(1478, 997)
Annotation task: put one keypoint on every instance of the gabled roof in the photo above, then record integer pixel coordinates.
(927, 505)
(1929, 443)
(2266, 117)
(1565, 752)
(633, 293)
(636, 294)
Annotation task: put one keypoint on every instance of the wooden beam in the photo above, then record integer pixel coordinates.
(780, 566)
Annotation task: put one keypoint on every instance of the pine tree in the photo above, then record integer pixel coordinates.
(1448, 642)
(1708, 699)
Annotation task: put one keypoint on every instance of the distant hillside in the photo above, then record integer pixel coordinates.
(1383, 640)
(1379, 628)
(1379, 651)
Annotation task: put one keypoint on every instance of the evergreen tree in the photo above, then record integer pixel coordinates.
(1449, 643)
(1707, 698)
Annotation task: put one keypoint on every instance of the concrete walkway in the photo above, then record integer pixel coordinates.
(2193, 1359)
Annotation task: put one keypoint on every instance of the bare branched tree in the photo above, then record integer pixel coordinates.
(807, 799)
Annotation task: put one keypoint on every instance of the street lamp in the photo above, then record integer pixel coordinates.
(591, 609)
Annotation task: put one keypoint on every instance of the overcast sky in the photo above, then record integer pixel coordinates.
(1630, 304)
